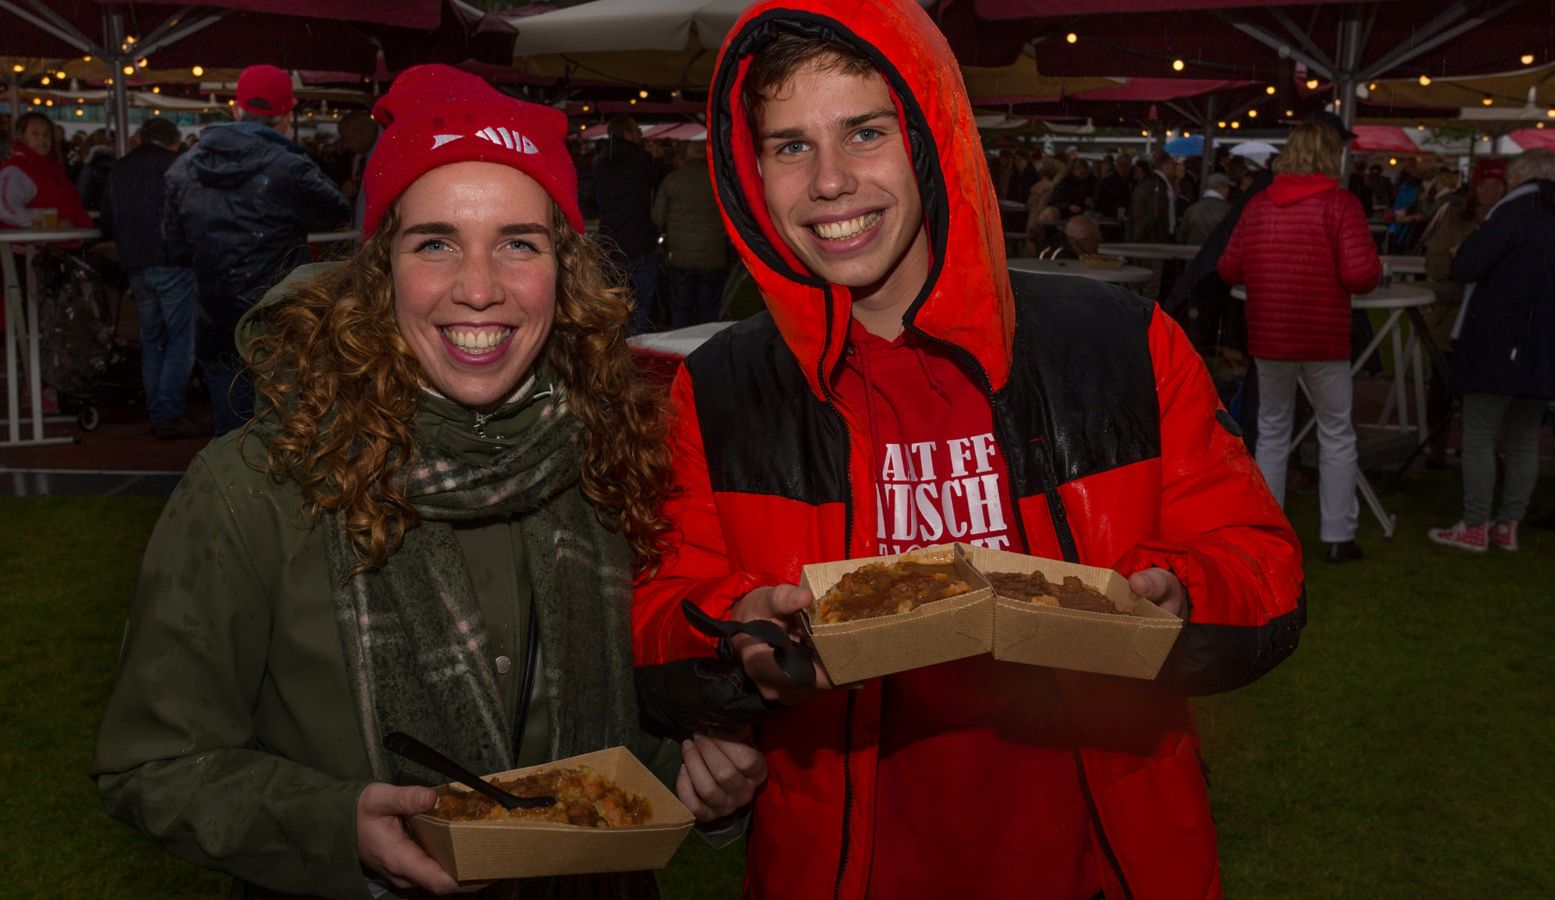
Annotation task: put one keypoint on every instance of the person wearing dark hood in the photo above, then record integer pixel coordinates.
(900, 391)
(239, 208)
(625, 177)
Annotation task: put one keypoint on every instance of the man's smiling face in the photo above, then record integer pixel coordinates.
(840, 186)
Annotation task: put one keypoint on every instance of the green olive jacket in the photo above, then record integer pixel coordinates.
(230, 737)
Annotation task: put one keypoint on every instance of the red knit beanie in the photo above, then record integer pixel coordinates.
(1490, 167)
(434, 115)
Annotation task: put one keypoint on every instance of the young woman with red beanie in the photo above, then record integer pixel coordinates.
(431, 526)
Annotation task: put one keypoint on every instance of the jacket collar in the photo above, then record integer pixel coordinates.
(966, 301)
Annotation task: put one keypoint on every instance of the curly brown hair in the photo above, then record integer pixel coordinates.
(339, 387)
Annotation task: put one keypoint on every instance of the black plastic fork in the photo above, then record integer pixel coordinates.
(795, 659)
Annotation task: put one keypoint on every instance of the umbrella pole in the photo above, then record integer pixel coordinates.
(1349, 57)
(16, 98)
(118, 103)
(1207, 161)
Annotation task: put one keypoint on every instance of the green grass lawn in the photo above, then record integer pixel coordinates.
(1402, 752)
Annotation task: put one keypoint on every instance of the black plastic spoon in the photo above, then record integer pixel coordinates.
(400, 743)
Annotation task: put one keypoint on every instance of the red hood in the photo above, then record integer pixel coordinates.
(966, 300)
(1287, 189)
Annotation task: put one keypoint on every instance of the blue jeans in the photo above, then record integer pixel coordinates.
(164, 298)
(644, 274)
(694, 296)
(232, 395)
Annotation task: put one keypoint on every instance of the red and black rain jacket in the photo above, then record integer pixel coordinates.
(1118, 455)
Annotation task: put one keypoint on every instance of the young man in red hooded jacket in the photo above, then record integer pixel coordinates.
(898, 393)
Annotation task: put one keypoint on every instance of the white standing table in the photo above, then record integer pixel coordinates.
(21, 329)
(1403, 264)
(1401, 301)
(1120, 275)
(1151, 251)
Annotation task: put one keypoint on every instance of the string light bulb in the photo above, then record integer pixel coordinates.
(156, 89)
(142, 62)
(197, 71)
(1392, 160)
(18, 68)
(46, 81)
(1312, 84)
(1371, 85)
(82, 112)
(587, 107)
(62, 74)
(1221, 124)
(1178, 65)
(1071, 37)
(1235, 125)
(1487, 100)
(643, 93)
(37, 101)
(1252, 114)
(128, 69)
(632, 102)
(1425, 80)
(87, 58)
(1526, 59)
(1269, 90)
(48, 103)
(1289, 113)
(1144, 133)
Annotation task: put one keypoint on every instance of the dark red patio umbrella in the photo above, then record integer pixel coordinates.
(1252, 39)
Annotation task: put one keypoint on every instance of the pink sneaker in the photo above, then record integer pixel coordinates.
(1504, 535)
(1462, 536)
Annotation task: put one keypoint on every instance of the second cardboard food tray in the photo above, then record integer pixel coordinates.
(1133, 645)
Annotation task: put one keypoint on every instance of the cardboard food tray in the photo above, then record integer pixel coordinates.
(1133, 645)
(484, 851)
(937, 632)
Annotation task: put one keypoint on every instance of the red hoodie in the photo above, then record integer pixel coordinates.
(939, 478)
(1114, 453)
(1303, 248)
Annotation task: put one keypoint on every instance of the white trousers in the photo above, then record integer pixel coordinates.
(1329, 384)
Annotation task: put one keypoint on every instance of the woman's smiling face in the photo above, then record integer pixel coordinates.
(475, 271)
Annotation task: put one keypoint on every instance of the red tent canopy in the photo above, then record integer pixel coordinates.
(1024, 9)
(1534, 138)
(1382, 139)
(1211, 37)
(1159, 89)
(292, 34)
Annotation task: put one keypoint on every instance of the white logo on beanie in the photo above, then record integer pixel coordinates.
(439, 140)
(509, 139)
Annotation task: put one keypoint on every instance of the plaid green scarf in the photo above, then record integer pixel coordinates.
(412, 631)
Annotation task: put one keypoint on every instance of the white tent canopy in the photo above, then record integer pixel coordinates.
(610, 26)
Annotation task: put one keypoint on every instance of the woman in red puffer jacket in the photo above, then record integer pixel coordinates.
(1302, 248)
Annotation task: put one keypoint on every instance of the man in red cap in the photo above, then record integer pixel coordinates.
(239, 206)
